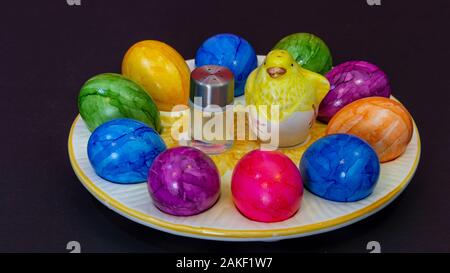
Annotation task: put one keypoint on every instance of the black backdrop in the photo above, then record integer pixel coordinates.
(48, 49)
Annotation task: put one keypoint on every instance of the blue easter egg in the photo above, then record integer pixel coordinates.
(122, 150)
(340, 167)
(231, 51)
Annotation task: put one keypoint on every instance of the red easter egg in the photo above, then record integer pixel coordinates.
(266, 186)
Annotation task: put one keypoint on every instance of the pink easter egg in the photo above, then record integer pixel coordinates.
(267, 186)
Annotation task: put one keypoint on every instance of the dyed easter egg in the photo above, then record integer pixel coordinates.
(384, 123)
(231, 51)
(110, 96)
(266, 186)
(340, 167)
(122, 150)
(183, 181)
(161, 70)
(308, 50)
(351, 81)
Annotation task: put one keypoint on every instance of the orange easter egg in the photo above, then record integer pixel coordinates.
(384, 123)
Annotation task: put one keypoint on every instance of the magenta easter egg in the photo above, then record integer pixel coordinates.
(266, 186)
(351, 81)
(183, 181)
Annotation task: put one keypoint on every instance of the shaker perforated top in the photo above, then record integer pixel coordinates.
(213, 84)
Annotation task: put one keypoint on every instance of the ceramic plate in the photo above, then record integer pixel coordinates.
(223, 221)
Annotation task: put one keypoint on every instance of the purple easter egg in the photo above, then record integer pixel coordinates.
(183, 181)
(351, 81)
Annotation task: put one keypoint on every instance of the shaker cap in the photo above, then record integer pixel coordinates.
(213, 84)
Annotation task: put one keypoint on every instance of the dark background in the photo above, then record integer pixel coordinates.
(48, 49)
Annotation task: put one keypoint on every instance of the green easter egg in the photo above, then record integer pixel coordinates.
(308, 50)
(109, 96)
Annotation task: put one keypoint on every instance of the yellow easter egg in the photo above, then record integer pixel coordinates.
(161, 70)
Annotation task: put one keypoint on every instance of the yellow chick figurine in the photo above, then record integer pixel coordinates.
(297, 91)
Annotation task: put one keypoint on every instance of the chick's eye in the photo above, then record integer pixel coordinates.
(264, 63)
(292, 64)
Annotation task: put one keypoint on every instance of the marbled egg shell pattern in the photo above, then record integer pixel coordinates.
(340, 167)
(183, 181)
(110, 96)
(384, 123)
(122, 150)
(351, 81)
(308, 50)
(231, 51)
(267, 186)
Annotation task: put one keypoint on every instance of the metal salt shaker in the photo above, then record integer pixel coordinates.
(211, 101)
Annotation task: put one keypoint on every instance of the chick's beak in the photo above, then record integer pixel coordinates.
(276, 72)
